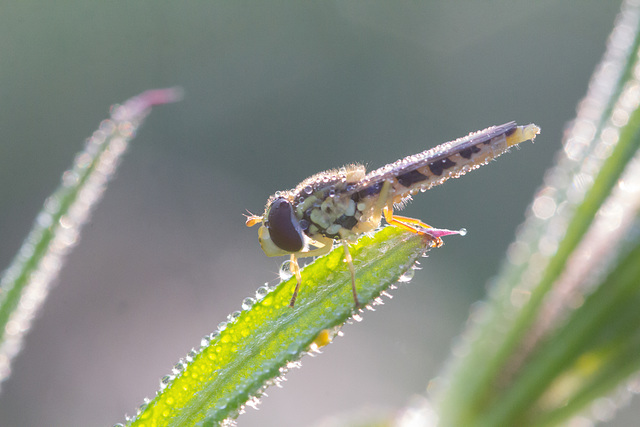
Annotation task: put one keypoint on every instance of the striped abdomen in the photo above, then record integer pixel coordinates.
(449, 160)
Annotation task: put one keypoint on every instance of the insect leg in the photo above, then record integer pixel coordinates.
(416, 226)
(295, 269)
(349, 260)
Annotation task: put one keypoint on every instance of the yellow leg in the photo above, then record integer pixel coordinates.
(295, 269)
(410, 224)
(417, 226)
(349, 260)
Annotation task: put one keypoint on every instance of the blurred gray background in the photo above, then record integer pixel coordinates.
(274, 92)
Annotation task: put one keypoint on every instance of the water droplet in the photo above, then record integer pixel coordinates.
(407, 276)
(165, 381)
(192, 355)
(262, 291)
(233, 316)
(247, 303)
(462, 231)
(292, 350)
(204, 342)
(44, 220)
(178, 367)
(70, 178)
(222, 326)
(285, 273)
(52, 204)
(308, 189)
(26, 251)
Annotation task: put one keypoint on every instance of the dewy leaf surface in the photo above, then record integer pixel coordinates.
(257, 344)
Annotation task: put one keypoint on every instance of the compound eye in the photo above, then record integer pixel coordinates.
(284, 229)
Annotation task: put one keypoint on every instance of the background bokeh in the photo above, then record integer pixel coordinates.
(275, 91)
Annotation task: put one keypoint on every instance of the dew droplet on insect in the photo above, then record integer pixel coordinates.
(462, 231)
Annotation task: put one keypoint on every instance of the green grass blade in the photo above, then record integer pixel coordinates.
(602, 347)
(579, 225)
(260, 343)
(504, 372)
(25, 284)
(597, 336)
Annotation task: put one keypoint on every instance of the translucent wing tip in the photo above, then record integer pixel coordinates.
(523, 133)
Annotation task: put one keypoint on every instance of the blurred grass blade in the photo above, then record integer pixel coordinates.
(562, 252)
(597, 348)
(259, 344)
(25, 284)
(519, 396)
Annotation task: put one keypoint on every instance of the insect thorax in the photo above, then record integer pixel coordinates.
(326, 204)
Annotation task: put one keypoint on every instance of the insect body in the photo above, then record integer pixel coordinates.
(341, 204)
